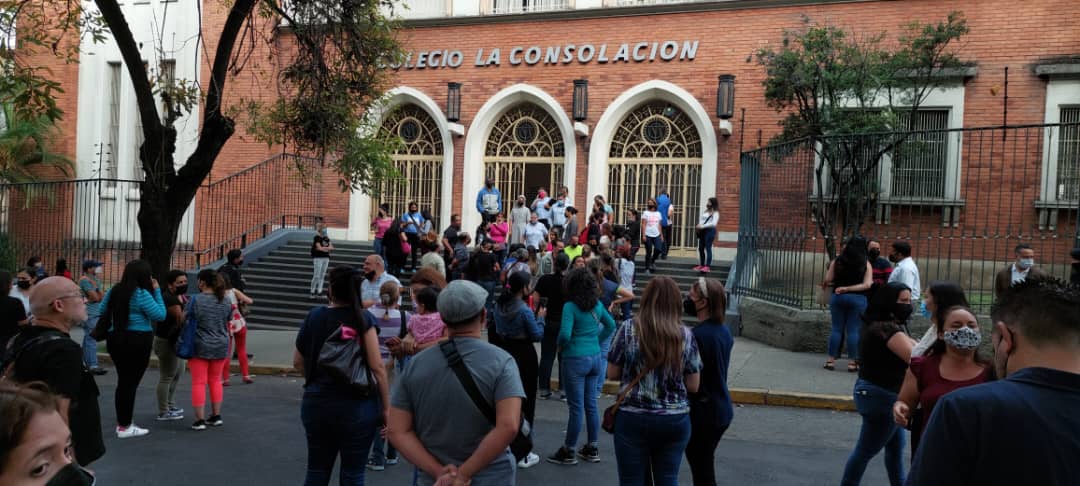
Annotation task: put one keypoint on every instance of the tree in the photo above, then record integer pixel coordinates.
(853, 99)
(331, 55)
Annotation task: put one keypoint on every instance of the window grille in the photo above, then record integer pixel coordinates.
(1068, 156)
(919, 163)
(112, 147)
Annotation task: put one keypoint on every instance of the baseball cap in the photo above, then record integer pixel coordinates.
(461, 301)
(88, 264)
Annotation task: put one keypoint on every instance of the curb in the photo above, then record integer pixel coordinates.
(742, 396)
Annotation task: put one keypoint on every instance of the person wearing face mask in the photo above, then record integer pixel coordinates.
(93, 291)
(21, 289)
(489, 200)
(12, 315)
(166, 332)
(906, 271)
(558, 211)
(1023, 268)
(952, 363)
(711, 410)
(36, 441)
(541, 206)
(1022, 428)
(231, 269)
(651, 234)
(882, 268)
(938, 296)
(884, 351)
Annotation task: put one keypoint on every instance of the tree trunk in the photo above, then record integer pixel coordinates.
(158, 229)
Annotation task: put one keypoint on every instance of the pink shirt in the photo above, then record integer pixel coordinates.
(426, 328)
(499, 231)
(381, 225)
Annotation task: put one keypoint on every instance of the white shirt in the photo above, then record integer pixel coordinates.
(651, 222)
(558, 213)
(924, 344)
(534, 234)
(1018, 275)
(626, 274)
(707, 219)
(370, 290)
(907, 273)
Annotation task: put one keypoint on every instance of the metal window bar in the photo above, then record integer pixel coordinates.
(918, 164)
(527, 6)
(1068, 160)
(109, 161)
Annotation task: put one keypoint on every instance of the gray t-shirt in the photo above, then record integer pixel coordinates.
(444, 417)
(370, 290)
(212, 334)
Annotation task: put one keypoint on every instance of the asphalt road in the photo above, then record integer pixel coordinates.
(262, 443)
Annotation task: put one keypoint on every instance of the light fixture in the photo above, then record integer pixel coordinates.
(453, 102)
(581, 99)
(725, 97)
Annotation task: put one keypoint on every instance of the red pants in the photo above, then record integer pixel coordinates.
(238, 342)
(201, 371)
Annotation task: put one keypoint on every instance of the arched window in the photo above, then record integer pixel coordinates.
(657, 146)
(524, 153)
(418, 160)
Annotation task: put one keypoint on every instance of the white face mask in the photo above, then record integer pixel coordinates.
(1025, 263)
(98, 270)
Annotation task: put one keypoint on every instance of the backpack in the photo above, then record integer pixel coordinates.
(12, 355)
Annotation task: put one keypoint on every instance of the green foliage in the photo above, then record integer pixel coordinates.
(24, 145)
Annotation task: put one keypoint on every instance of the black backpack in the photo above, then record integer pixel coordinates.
(12, 354)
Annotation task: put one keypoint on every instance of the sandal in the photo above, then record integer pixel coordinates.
(853, 367)
(830, 365)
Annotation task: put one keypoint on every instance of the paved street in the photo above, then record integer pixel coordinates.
(262, 443)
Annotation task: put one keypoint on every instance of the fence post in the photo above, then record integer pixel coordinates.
(749, 191)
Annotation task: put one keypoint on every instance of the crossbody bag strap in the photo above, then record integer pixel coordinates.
(630, 386)
(449, 350)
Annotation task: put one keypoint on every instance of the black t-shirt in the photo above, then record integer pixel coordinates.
(169, 328)
(877, 363)
(482, 266)
(320, 240)
(551, 288)
(11, 312)
(319, 324)
(234, 275)
(450, 235)
(59, 364)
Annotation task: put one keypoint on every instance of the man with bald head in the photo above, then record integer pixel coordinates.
(374, 276)
(45, 352)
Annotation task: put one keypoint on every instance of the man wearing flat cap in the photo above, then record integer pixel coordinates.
(433, 421)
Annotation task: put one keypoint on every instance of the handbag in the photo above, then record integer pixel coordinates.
(608, 422)
(344, 360)
(101, 328)
(522, 443)
(700, 232)
(406, 248)
(236, 322)
(185, 344)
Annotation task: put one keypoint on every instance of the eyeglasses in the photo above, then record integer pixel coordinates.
(70, 296)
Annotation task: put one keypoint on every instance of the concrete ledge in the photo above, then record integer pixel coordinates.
(279, 370)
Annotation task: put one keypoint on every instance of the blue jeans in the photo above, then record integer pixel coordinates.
(654, 246)
(89, 345)
(704, 247)
(641, 439)
(846, 310)
(581, 373)
(378, 247)
(878, 431)
(605, 348)
(338, 424)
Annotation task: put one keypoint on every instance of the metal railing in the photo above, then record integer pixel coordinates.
(999, 189)
(97, 218)
(527, 6)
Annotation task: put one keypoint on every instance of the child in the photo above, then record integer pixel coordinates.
(388, 318)
(426, 326)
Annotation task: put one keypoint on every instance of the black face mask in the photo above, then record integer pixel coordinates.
(902, 312)
(181, 289)
(23, 284)
(873, 254)
(370, 275)
(892, 258)
(71, 475)
(489, 185)
(652, 208)
(689, 307)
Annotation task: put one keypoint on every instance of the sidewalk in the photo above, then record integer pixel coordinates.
(758, 374)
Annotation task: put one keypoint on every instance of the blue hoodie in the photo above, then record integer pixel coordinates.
(484, 191)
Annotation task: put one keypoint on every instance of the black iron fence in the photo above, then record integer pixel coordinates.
(962, 198)
(97, 218)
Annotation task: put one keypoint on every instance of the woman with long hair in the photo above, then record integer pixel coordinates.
(938, 296)
(711, 410)
(885, 350)
(35, 441)
(952, 363)
(585, 324)
(499, 231)
(212, 312)
(395, 255)
(706, 234)
(380, 224)
(518, 330)
(134, 305)
(237, 332)
(337, 418)
(852, 276)
(657, 363)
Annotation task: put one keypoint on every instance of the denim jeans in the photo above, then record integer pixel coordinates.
(878, 431)
(377, 246)
(581, 373)
(337, 424)
(654, 247)
(89, 344)
(704, 248)
(846, 310)
(605, 348)
(644, 439)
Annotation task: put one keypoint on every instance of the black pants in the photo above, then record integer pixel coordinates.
(549, 346)
(414, 242)
(666, 231)
(524, 354)
(130, 352)
(701, 452)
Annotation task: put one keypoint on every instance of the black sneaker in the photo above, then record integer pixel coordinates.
(546, 394)
(215, 421)
(589, 453)
(199, 425)
(98, 371)
(563, 456)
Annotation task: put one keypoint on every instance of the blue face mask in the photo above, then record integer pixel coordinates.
(924, 311)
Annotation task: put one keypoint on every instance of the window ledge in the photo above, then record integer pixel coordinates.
(950, 207)
(1066, 68)
(1048, 212)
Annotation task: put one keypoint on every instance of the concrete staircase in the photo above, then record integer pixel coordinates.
(279, 282)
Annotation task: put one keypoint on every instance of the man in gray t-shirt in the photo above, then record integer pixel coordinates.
(435, 424)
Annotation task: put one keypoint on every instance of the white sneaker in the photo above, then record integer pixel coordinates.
(529, 461)
(132, 431)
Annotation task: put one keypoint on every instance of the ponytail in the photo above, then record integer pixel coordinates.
(214, 280)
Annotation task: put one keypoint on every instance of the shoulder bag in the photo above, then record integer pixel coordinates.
(608, 422)
(522, 443)
(344, 359)
(185, 344)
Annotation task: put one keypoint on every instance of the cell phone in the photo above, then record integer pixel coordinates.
(543, 302)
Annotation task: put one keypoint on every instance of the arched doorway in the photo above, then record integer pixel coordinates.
(418, 160)
(524, 152)
(657, 146)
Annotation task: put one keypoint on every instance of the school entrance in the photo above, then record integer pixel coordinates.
(524, 153)
(418, 160)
